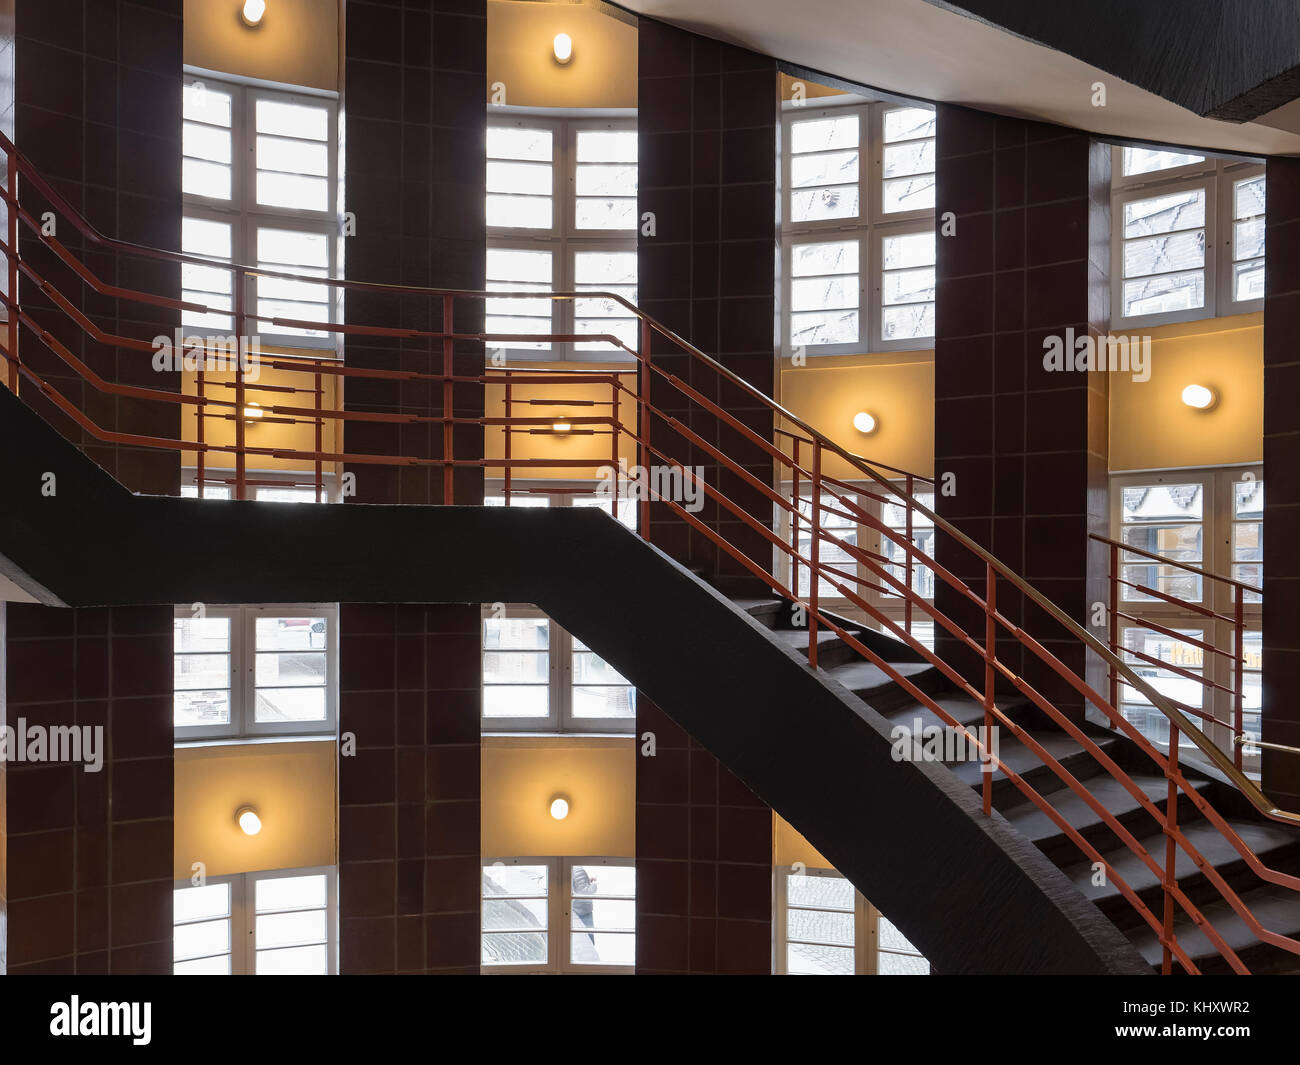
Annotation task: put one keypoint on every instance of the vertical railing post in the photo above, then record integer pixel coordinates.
(1112, 625)
(448, 426)
(907, 555)
(508, 434)
(201, 416)
(319, 467)
(1171, 852)
(990, 655)
(794, 518)
(241, 421)
(11, 215)
(643, 428)
(815, 528)
(1238, 674)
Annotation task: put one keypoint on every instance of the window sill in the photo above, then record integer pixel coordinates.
(246, 741)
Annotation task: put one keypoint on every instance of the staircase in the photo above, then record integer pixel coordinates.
(1123, 857)
(1275, 845)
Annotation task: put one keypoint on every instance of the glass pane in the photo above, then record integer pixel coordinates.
(291, 669)
(807, 959)
(201, 634)
(294, 961)
(521, 634)
(827, 168)
(518, 212)
(909, 193)
(820, 926)
(916, 157)
(1155, 502)
(194, 671)
(1165, 253)
(200, 236)
(888, 964)
(290, 633)
(291, 929)
(890, 938)
(1248, 280)
(1147, 160)
(824, 134)
(290, 247)
(208, 707)
(292, 157)
(533, 179)
(602, 948)
(291, 892)
(834, 257)
(508, 142)
(1165, 214)
(200, 939)
(812, 205)
(1166, 294)
(514, 948)
(305, 121)
(516, 700)
(605, 881)
(823, 892)
(908, 250)
(604, 702)
(197, 903)
(909, 123)
(1248, 197)
(199, 178)
(607, 145)
(516, 667)
(291, 704)
(292, 190)
(605, 214)
(214, 966)
(514, 915)
(514, 880)
(205, 104)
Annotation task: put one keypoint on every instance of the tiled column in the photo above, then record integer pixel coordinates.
(707, 122)
(89, 871)
(1281, 771)
(414, 99)
(1026, 448)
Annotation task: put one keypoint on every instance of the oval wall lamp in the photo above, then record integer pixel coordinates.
(865, 423)
(562, 46)
(247, 819)
(1200, 397)
(559, 807)
(252, 12)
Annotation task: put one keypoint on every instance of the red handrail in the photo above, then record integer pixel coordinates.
(798, 453)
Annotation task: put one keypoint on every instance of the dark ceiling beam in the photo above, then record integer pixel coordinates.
(1228, 59)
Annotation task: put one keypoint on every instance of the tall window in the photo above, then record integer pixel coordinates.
(1171, 619)
(561, 214)
(536, 676)
(825, 928)
(858, 227)
(255, 670)
(280, 923)
(559, 915)
(259, 176)
(1187, 236)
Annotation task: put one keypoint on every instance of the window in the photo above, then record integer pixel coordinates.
(559, 493)
(259, 176)
(825, 928)
(255, 670)
(561, 213)
(839, 522)
(559, 915)
(1187, 236)
(280, 923)
(538, 677)
(858, 241)
(266, 485)
(1171, 619)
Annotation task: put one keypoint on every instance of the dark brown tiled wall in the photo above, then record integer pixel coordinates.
(98, 93)
(1028, 448)
(90, 854)
(409, 836)
(707, 122)
(1281, 772)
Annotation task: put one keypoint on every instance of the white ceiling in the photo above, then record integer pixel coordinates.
(914, 48)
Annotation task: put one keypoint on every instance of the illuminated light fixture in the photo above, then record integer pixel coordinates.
(563, 47)
(864, 423)
(248, 820)
(561, 427)
(253, 12)
(1200, 397)
(254, 410)
(559, 807)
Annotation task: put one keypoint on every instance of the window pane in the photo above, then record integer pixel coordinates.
(198, 903)
(290, 633)
(202, 103)
(824, 293)
(520, 634)
(291, 929)
(1147, 160)
(891, 964)
(516, 700)
(294, 961)
(520, 270)
(820, 926)
(823, 892)
(192, 672)
(293, 119)
(200, 939)
(824, 168)
(515, 915)
(807, 959)
(214, 966)
(520, 178)
(907, 286)
(291, 892)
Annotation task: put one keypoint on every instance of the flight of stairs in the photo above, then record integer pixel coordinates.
(1278, 847)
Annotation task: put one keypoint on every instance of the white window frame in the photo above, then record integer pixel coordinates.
(559, 687)
(868, 229)
(559, 918)
(1217, 520)
(243, 913)
(243, 677)
(866, 925)
(243, 213)
(1217, 178)
(563, 239)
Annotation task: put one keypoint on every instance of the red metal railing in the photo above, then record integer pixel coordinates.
(1225, 645)
(672, 423)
